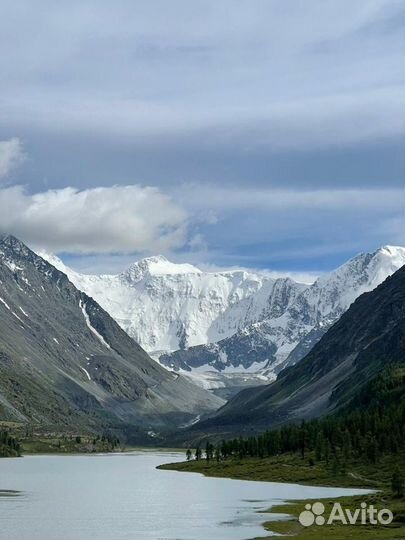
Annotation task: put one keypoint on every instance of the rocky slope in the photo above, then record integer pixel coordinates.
(370, 335)
(64, 361)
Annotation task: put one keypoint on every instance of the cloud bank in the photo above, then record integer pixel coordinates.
(98, 220)
(275, 75)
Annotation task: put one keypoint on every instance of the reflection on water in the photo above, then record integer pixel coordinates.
(9, 493)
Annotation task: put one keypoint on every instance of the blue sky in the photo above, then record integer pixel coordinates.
(262, 134)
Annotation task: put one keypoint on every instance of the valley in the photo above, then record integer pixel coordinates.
(72, 381)
(359, 445)
(67, 364)
(202, 270)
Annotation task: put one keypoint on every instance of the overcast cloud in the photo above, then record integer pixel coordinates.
(267, 133)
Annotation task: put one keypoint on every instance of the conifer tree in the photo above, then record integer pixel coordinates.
(397, 483)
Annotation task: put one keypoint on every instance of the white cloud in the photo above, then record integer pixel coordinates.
(99, 220)
(11, 155)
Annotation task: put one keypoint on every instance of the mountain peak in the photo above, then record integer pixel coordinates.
(392, 251)
(166, 306)
(10, 241)
(154, 259)
(158, 265)
(386, 258)
(12, 249)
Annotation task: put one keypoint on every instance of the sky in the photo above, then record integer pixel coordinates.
(264, 134)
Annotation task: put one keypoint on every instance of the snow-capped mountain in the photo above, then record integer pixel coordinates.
(239, 326)
(367, 339)
(275, 342)
(166, 306)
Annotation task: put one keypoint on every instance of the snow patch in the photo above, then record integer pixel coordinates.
(82, 306)
(25, 280)
(192, 422)
(86, 372)
(12, 266)
(5, 304)
(17, 316)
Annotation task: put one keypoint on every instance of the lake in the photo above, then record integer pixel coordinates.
(124, 496)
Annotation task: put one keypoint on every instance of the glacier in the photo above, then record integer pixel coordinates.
(229, 327)
(166, 306)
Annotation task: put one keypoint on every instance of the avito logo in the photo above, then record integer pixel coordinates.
(365, 515)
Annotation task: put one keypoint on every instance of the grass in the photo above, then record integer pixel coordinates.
(338, 531)
(45, 445)
(293, 469)
(59, 443)
(52, 440)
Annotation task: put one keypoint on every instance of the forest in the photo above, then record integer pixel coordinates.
(370, 427)
(9, 446)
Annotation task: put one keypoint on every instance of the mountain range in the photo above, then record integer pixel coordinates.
(64, 361)
(367, 338)
(226, 330)
(166, 306)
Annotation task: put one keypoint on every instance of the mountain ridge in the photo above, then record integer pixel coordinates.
(248, 325)
(65, 361)
(283, 340)
(175, 306)
(369, 336)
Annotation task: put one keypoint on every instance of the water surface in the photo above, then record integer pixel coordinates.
(124, 497)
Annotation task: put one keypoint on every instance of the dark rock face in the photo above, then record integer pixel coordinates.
(365, 339)
(64, 361)
(238, 350)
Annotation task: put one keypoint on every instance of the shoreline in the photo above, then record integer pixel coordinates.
(282, 519)
(116, 452)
